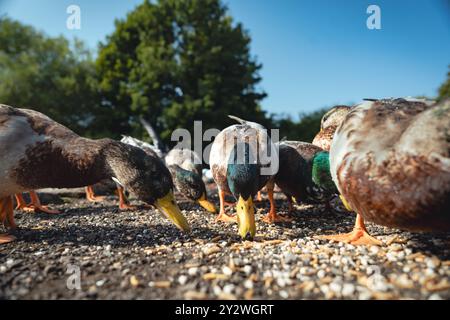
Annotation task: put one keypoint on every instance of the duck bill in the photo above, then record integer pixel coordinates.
(246, 218)
(345, 203)
(169, 208)
(209, 206)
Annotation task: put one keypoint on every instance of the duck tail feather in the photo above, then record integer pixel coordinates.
(241, 121)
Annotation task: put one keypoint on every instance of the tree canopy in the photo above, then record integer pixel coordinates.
(174, 62)
(444, 90)
(47, 74)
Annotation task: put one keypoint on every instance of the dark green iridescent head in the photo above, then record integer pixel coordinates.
(321, 174)
(242, 172)
(188, 183)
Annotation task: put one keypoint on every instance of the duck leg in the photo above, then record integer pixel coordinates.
(34, 206)
(123, 201)
(222, 215)
(90, 195)
(21, 203)
(7, 218)
(258, 196)
(272, 216)
(358, 236)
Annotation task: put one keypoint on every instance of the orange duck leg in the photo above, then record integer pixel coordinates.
(222, 215)
(90, 195)
(7, 218)
(123, 201)
(272, 216)
(34, 206)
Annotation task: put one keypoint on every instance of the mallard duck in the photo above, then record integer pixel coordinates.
(390, 160)
(38, 152)
(35, 204)
(303, 174)
(238, 169)
(328, 125)
(185, 167)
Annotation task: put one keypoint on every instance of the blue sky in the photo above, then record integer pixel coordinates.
(314, 53)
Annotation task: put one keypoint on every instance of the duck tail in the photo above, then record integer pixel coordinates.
(152, 133)
(241, 121)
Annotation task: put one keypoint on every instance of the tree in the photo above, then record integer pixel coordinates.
(303, 130)
(444, 90)
(176, 61)
(47, 74)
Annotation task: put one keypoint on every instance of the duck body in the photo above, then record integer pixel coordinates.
(328, 125)
(390, 160)
(295, 174)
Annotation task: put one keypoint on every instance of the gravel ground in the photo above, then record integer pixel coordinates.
(139, 255)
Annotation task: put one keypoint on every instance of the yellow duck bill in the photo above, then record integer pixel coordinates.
(169, 208)
(245, 213)
(209, 206)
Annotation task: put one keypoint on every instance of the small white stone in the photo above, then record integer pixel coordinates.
(228, 288)
(435, 296)
(320, 273)
(192, 271)
(284, 294)
(247, 269)
(348, 289)
(182, 279)
(248, 284)
(227, 271)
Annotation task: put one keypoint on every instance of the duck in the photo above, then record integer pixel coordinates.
(38, 152)
(390, 160)
(328, 125)
(303, 175)
(185, 166)
(187, 171)
(239, 169)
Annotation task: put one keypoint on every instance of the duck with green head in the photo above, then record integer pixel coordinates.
(186, 169)
(239, 170)
(303, 175)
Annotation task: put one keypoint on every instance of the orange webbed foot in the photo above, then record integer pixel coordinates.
(126, 206)
(226, 218)
(273, 217)
(358, 236)
(6, 238)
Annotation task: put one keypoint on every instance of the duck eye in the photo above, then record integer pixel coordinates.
(242, 207)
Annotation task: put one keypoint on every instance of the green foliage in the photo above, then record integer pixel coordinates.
(47, 74)
(176, 61)
(444, 90)
(303, 130)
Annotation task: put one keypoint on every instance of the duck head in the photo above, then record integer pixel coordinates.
(243, 181)
(192, 186)
(321, 174)
(147, 178)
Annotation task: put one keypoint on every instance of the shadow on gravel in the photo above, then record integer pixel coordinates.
(116, 236)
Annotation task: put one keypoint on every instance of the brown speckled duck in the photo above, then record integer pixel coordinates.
(37, 152)
(390, 160)
(328, 125)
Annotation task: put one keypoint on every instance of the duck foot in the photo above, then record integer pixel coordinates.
(273, 217)
(226, 218)
(34, 206)
(359, 235)
(5, 238)
(123, 201)
(90, 195)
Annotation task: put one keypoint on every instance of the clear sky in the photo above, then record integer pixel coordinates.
(314, 53)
